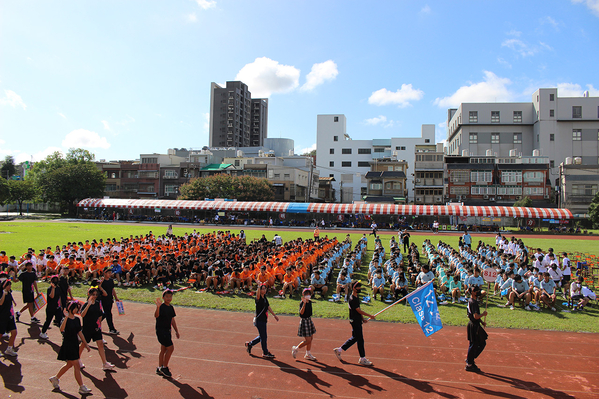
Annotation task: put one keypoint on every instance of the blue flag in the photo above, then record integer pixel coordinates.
(424, 306)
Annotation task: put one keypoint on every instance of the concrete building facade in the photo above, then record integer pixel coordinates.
(237, 120)
(578, 185)
(429, 174)
(348, 161)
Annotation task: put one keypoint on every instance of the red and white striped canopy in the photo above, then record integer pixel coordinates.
(361, 208)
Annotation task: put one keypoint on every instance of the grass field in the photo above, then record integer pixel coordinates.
(16, 237)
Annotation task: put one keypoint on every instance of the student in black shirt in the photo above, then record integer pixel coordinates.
(29, 279)
(262, 309)
(355, 319)
(92, 314)
(306, 328)
(476, 334)
(53, 306)
(108, 297)
(65, 289)
(165, 319)
(7, 319)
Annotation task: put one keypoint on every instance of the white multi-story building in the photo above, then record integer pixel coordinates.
(348, 161)
(556, 127)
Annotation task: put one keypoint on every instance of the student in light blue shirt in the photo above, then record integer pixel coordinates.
(455, 288)
(400, 285)
(476, 279)
(378, 284)
(519, 292)
(318, 284)
(499, 282)
(548, 291)
(343, 282)
(424, 276)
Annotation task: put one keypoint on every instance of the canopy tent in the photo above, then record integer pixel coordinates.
(361, 208)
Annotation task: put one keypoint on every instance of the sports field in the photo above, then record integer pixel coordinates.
(16, 237)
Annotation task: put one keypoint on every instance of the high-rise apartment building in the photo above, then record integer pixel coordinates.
(236, 120)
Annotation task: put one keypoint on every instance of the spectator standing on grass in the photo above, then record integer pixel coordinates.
(306, 328)
(566, 273)
(467, 239)
(165, 321)
(316, 234)
(262, 310)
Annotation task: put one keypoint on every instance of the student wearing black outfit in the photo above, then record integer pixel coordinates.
(108, 297)
(356, 319)
(29, 279)
(53, 306)
(405, 238)
(262, 309)
(165, 320)
(92, 314)
(476, 334)
(7, 320)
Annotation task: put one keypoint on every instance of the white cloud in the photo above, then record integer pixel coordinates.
(548, 20)
(426, 9)
(575, 90)
(206, 4)
(504, 63)
(319, 74)
(514, 32)
(308, 149)
(106, 126)
(192, 17)
(265, 77)
(492, 89)
(376, 120)
(38, 156)
(13, 99)
(593, 5)
(519, 46)
(401, 97)
(62, 115)
(81, 138)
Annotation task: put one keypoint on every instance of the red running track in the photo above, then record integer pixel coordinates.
(210, 361)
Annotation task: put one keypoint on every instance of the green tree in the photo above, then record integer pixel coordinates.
(524, 202)
(594, 211)
(20, 191)
(4, 194)
(8, 168)
(242, 188)
(66, 180)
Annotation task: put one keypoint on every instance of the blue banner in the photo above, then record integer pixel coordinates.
(424, 306)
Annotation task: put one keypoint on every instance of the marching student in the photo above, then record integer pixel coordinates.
(53, 308)
(356, 319)
(108, 297)
(306, 327)
(165, 321)
(7, 318)
(92, 314)
(29, 279)
(69, 352)
(476, 335)
(262, 309)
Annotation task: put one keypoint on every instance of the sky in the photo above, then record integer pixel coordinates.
(122, 78)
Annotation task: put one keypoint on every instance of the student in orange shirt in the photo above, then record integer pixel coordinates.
(235, 280)
(264, 277)
(289, 282)
(279, 272)
(246, 278)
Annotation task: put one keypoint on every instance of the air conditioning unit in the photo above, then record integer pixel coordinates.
(418, 199)
(486, 197)
(499, 198)
(417, 180)
(518, 197)
(438, 199)
(546, 196)
(492, 199)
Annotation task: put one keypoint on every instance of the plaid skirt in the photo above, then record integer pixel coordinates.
(306, 328)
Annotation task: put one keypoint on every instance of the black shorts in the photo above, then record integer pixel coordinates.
(577, 297)
(164, 337)
(92, 335)
(7, 324)
(28, 297)
(566, 278)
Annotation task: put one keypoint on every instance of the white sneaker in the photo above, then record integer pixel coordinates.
(104, 342)
(308, 356)
(107, 366)
(10, 352)
(83, 390)
(43, 336)
(511, 307)
(554, 309)
(294, 351)
(365, 362)
(338, 352)
(527, 307)
(54, 381)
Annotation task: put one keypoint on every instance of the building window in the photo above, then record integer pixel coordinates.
(380, 149)
(346, 164)
(346, 151)
(286, 175)
(335, 138)
(427, 140)
(459, 176)
(494, 138)
(551, 113)
(576, 135)
(400, 148)
(481, 177)
(534, 177)
(584, 189)
(473, 116)
(473, 138)
(332, 164)
(331, 151)
(552, 164)
(533, 190)
(364, 151)
(551, 97)
(332, 175)
(336, 119)
(494, 116)
(363, 164)
(576, 111)
(551, 137)
(517, 116)
(170, 189)
(517, 138)
(376, 186)
(511, 177)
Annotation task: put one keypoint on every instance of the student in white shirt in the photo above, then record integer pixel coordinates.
(566, 272)
(576, 294)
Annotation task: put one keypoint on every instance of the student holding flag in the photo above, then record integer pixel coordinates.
(356, 318)
(476, 334)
